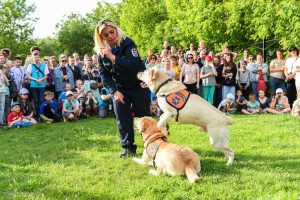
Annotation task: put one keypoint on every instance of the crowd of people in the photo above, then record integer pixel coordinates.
(232, 83)
(52, 89)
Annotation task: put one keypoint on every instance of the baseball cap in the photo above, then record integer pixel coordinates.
(229, 96)
(14, 104)
(23, 91)
(279, 90)
(208, 58)
(69, 93)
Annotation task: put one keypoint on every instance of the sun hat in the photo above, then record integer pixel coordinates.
(14, 104)
(279, 90)
(23, 91)
(69, 93)
(229, 96)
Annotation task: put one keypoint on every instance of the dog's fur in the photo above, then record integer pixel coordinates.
(170, 158)
(296, 107)
(197, 111)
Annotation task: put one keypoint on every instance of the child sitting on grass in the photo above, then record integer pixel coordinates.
(228, 105)
(14, 118)
(70, 108)
(241, 101)
(253, 106)
(26, 106)
(48, 110)
(62, 97)
(90, 104)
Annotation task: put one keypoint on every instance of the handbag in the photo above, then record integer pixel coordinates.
(261, 85)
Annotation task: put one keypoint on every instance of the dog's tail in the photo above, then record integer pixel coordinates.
(192, 175)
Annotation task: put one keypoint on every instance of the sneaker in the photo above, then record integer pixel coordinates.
(124, 153)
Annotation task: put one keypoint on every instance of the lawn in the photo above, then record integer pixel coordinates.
(80, 161)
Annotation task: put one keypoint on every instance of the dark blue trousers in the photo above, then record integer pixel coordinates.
(137, 100)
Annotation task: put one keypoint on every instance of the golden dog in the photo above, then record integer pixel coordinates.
(168, 158)
(195, 110)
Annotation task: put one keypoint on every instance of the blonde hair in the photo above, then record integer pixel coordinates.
(100, 43)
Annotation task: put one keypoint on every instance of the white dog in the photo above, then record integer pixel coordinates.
(169, 158)
(177, 104)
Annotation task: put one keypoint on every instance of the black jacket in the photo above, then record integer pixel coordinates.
(76, 73)
(122, 73)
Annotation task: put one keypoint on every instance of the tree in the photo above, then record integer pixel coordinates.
(16, 26)
(75, 34)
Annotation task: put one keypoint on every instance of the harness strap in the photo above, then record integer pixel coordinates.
(164, 83)
(183, 97)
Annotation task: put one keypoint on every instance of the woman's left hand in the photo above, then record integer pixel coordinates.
(107, 52)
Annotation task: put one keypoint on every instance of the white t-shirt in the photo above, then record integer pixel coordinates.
(292, 64)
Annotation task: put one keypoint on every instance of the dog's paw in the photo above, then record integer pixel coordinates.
(153, 172)
(138, 160)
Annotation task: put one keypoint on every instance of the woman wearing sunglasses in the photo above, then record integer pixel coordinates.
(191, 73)
(119, 63)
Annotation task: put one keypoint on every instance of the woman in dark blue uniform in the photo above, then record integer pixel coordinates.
(119, 64)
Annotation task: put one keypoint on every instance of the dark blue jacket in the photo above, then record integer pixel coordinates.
(123, 73)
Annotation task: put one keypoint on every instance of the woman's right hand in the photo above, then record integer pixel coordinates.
(118, 96)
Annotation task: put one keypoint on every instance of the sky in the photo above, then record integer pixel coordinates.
(50, 12)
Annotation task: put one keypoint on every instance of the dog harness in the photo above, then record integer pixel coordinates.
(152, 144)
(176, 99)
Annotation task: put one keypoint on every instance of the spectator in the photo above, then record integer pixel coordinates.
(219, 80)
(4, 87)
(50, 77)
(37, 74)
(2, 94)
(243, 78)
(75, 69)
(202, 46)
(190, 72)
(251, 61)
(290, 73)
(151, 63)
(91, 79)
(48, 110)
(253, 106)
(228, 105)
(201, 60)
(229, 75)
(63, 96)
(191, 50)
(258, 71)
(279, 104)
(173, 51)
(245, 57)
(207, 74)
(167, 68)
(277, 77)
(226, 51)
(7, 53)
(175, 67)
(70, 108)
(26, 106)
(90, 104)
(164, 54)
(240, 100)
(263, 101)
(166, 45)
(14, 119)
(62, 76)
(149, 57)
(180, 53)
(95, 61)
(80, 90)
(18, 74)
(78, 62)
(104, 101)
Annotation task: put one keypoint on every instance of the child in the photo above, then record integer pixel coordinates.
(70, 108)
(48, 110)
(228, 105)
(104, 101)
(26, 106)
(167, 68)
(14, 118)
(241, 101)
(90, 104)
(207, 75)
(175, 67)
(279, 104)
(243, 79)
(18, 75)
(253, 106)
(62, 97)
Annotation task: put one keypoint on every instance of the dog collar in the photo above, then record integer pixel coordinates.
(164, 83)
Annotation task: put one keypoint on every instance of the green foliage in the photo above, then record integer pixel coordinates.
(75, 34)
(80, 161)
(16, 26)
(49, 46)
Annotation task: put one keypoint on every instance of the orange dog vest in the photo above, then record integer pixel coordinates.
(178, 100)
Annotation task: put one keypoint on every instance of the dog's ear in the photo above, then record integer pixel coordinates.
(153, 73)
(144, 125)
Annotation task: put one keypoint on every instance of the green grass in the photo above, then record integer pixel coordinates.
(80, 161)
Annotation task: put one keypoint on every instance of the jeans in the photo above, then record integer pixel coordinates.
(291, 91)
(218, 96)
(276, 83)
(37, 95)
(21, 124)
(226, 90)
(2, 106)
(254, 88)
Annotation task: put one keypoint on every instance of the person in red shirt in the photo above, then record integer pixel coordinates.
(15, 117)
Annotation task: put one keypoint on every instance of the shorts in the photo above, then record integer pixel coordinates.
(276, 83)
(66, 114)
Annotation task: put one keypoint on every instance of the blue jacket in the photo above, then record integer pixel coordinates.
(53, 106)
(59, 79)
(123, 73)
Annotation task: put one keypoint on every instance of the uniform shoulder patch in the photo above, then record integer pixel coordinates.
(134, 52)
